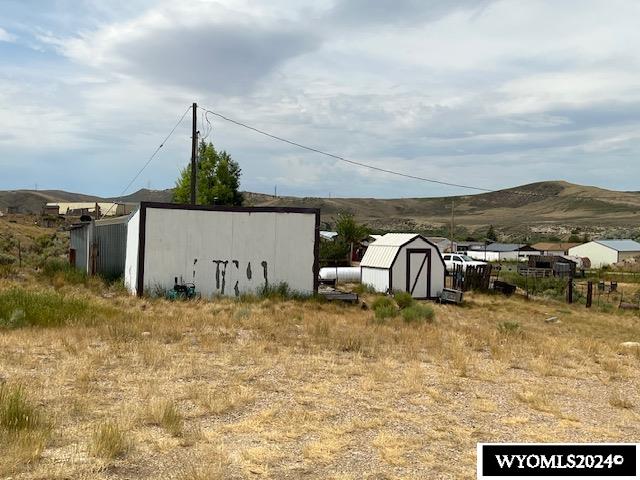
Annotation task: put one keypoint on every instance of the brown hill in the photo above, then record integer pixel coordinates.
(32, 201)
(553, 207)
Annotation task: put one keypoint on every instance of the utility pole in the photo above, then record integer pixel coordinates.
(194, 148)
(452, 222)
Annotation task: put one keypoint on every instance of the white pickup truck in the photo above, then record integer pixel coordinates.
(453, 259)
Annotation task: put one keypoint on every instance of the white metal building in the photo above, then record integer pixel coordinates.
(496, 252)
(107, 209)
(404, 261)
(606, 252)
(222, 250)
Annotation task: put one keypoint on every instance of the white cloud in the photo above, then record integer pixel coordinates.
(6, 36)
(511, 91)
(207, 47)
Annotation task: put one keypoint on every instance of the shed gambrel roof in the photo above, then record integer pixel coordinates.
(626, 245)
(383, 252)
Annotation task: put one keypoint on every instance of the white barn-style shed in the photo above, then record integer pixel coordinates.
(404, 262)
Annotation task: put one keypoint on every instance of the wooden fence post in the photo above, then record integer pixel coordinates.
(570, 290)
(589, 293)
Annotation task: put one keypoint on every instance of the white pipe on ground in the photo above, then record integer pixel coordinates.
(342, 274)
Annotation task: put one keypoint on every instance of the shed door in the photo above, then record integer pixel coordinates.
(419, 272)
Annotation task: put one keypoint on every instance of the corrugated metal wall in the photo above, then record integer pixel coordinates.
(112, 247)
(79, 242)
(110, 239)
(378, 278)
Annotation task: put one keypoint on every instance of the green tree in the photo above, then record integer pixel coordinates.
(350, 231)
(218, 179)
(333, 252)
(491, 234)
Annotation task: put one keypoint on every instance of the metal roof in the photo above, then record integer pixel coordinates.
(394, 239)
(380, 256)
(554, 245)
(327, 235)
(382, 252)
(625, 245)
(113, 220)
(506, 247)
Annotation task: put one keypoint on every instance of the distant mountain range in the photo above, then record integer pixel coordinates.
(553, 208)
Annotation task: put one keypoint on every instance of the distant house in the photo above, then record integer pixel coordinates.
(554, 248)
(463, 247)
(606, 252)
(444, 244)
(327, 235)
(97, 209)
(495, 252)
(51, 209)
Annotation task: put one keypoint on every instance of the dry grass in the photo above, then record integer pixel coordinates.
(618, 400)
(165, 414)
(283, 389)
(109, 440)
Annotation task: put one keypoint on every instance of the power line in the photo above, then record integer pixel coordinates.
(394, 172)
(338, 157)
(150, 159)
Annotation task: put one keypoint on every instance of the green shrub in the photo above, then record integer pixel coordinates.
(7, 271)
(60, 268)
(363, 288)
(281, 291)
(403, 299)
(509, 328)
(385, 312)
(21, 308)
(418, 313)
(118, 286)
(7, 259)
(383, 308)
(381, 302)
(548, 286)
(16, 413)
(42, 242)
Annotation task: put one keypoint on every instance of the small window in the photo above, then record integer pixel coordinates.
(457, 258)
(447, 257)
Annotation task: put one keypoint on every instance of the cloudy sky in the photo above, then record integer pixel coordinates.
(494, 93)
